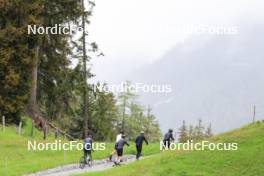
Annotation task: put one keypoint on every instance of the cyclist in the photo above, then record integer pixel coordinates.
(88, 142)
(167, 138)
(139, 142)
(119, 149)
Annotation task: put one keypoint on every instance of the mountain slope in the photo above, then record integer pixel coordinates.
(217, 79)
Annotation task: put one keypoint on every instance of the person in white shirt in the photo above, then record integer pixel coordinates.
(118, 137)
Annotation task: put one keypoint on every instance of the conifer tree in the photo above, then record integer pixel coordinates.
(16, 54)
(199, 131)
(183, 136)
(190, 133)
(208, 132)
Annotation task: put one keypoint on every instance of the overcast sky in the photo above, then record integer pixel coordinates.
(132, 33)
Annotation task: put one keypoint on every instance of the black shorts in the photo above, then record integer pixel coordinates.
(87, 151)
(119, 152)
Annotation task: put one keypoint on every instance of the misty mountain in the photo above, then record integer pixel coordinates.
(217, 78)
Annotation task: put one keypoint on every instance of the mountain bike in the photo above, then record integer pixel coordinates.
(88, 161)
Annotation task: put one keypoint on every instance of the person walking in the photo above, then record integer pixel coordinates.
(139, 142)
(168, 137)
(119, 149)
(118, 137)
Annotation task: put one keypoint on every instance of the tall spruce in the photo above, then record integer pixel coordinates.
(85, 98)
(55, 75)
(191, 132)
(199, 131)
(208, 132)
(126, 97)
(183, 136)
(17, 54)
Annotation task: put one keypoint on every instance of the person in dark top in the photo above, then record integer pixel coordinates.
(119, 149)
(118, 137)
(87, 149)
(139, 142)
(168, 137)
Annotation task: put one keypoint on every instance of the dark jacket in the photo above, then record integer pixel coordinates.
(139, 140)
(168, 136)
(88, 143)
(120, 144)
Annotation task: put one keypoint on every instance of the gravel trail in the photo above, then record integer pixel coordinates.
(70, 169)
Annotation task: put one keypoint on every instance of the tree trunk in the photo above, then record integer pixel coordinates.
(254, 114)
(3, 121)
(123, 116)
(33, 109)
(32, 105)
(85, 97)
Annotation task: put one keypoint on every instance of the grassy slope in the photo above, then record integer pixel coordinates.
(247, 160)
(15, 159)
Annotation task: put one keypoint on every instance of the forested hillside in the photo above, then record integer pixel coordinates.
(46, 76)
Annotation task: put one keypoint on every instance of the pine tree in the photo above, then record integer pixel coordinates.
(55, 79)
(151, 126)
(183, 137)
(133, 117)
(17, 54)
(126, 97)
(191, 133)
(199, 131)
(208, 132)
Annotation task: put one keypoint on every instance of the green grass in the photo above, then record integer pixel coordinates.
(248, 160)
(15, 159)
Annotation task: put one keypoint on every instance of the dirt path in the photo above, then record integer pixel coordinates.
(70, 169)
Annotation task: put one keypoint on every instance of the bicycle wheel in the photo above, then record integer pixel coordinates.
(89, 160)
(82, 163)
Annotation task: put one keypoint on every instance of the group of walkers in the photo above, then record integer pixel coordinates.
(121, 142)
